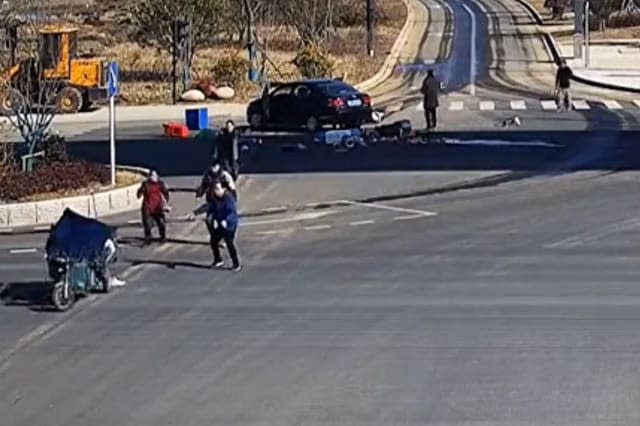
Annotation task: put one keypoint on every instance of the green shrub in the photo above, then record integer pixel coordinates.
(230, 69)
(313, 62)
(17, 185)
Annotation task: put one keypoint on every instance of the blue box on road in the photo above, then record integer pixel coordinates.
(197, 119)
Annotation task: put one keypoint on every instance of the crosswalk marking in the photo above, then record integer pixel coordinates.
(522, 105)
(518, 105)
(612, 104)
(581, 105)
(487, 106)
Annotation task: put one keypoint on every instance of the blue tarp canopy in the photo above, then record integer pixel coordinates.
(77, 237)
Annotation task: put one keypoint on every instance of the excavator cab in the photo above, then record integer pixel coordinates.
(58, 46)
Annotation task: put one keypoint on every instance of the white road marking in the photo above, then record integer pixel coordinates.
(316, 227)
(273, 232)
(6, 230)
(456, 106)
(362, 222)
(612, 104)
(24, 250)
(296, 218)
(420, 107)
(42, 228)
(588, 237)
(487, 106)
(274, 209)
(409, 217)
(518, 105)
(548, 105)
(581, 105)
(392, 208)
(637, 103)
(134, 221)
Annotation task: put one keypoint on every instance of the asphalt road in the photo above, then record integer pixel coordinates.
(513, 304)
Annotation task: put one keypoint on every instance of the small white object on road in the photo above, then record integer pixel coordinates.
(456, 106)
(581, 105)
(518, 105)
(548, 105)
(487, 106)
(23, 251)
(612, 104)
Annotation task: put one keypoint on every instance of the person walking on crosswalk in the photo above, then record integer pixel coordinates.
(563, 86)
(430, 91)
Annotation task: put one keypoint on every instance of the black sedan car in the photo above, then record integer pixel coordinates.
(310, 104)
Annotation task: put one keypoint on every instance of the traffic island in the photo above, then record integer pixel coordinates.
(40, 211)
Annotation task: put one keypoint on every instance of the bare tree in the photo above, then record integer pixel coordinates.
(310, 18)
(32, 91)
(154, 21)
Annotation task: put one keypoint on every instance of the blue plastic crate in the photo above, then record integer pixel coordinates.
(197, 119)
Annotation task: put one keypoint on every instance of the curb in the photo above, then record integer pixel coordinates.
(386, 70)
(552, 45)
(39, 215)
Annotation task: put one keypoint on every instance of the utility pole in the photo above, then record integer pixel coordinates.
(369, 18)
(587, 37)
(174, 60)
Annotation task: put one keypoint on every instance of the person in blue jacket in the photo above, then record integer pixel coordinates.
(222, 224)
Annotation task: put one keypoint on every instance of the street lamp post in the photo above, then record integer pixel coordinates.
(587, 37)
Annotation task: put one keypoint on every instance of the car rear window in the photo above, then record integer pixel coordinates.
(338, 89)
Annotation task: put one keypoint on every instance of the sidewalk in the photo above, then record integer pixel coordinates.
(128, 113)
(614, 64)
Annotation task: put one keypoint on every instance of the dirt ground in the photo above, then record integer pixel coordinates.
(609, 34)
(146, 72)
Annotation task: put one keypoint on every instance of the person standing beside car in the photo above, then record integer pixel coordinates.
(228, 153)
(430, 92)
(155, 198)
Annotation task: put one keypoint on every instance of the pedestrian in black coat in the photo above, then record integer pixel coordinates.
(430, 91)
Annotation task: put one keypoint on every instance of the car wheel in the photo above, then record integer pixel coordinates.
(255, 121)
(312, 124)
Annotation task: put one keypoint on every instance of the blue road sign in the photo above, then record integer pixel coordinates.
(112, 79)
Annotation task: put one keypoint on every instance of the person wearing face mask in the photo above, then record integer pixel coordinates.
(222, 224)
(155, 198)
(216, 174)
(227, 144)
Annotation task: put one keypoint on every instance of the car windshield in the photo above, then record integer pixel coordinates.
(338, 89)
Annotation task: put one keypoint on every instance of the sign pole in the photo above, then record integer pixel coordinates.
(112, 88)
(112, 138)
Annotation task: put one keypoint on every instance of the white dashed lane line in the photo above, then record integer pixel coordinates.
(23, 250)
(409, 217)
(316, 227)
(362, 222)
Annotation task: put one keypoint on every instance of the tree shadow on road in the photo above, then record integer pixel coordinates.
(170, 264)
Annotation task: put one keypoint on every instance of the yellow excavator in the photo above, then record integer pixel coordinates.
(68, 82)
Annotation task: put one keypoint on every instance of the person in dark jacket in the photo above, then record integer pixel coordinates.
(216, 174)
(563, 86)
(430, 91)
(222, 224)
(228, 154)
(155, 198)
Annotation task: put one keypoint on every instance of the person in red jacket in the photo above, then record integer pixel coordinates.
(155, 196)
